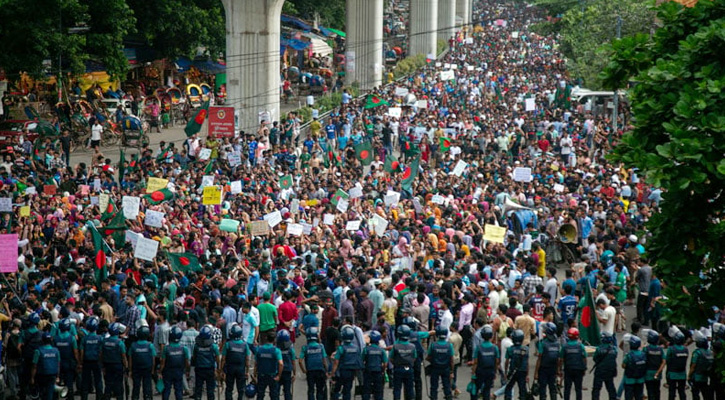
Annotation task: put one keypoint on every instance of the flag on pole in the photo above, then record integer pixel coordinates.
(391, 164)
(101, 250)
(184, 262)
(285, 182)
(194, 125)
(331, 157)
(410, 173)
(375, 101)
(588, 323)
(444, 143)
(159, 196)
(364, 152)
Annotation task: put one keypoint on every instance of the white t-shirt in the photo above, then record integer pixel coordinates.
(566, 144)
(610, 314)
(96, 132)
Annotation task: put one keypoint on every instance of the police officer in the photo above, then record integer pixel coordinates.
(67, 345)
(288, 363)
(174, 361)
(31, 339)
(655, 362)
(517, 366)
(235, 356)
(605, 367)
(574, 361)
(718, 344)
(547, 363)
(268, 367)
(485, 364)
(348, 361)
(676, 360)
(91, 357)
(701, 369)
(45, 368)
(142, 354)
(374, 361)
(415, 339)
(635, 369)
(113, 360)
(205, 360)
(313, 363)
(440, 356)
(403, 356)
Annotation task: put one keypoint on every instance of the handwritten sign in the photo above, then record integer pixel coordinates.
(85, 189)
(342, 205)
(329, 219)
(417, 206)
(130, 205)
(438, 199)
(9, 253)
(493, 233)
(204, 154)
(381, 224)
(295, 229)
(154, 184)
(50, 190)
(236, 187)
(25, 211)
(103, 200)
(153, 218)
(259, 228)
(352, 225)
(6, 204)
(146, 249)
(355, 192)
(522, 174)
(131, 237)
(395, 112)
(234, 159)
(558, 187)
(459, 168)
(392, 198)
(307, 228)
(212, 195)
(530, 104)
(273, 218)
(207, 180)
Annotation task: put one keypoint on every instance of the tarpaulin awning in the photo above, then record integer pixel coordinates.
(294, 44)
(210, 67)
(337, 32)
(183, 64)
(286, 19)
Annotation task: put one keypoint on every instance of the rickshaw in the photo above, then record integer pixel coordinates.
(317, 84)
(178, 102)
(206, 92)
(193, 95)
(147, 113)
(134, 132)
(166, 103)
(293, 74)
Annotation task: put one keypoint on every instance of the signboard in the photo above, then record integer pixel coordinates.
(9, 253)
(493, 233)
(522, 174)
(221, 122)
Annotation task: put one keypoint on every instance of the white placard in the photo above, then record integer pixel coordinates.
(103, 200)
(381, 224)
(447, 75)
(530, 104)
(417, 206)
(207, 180)
(329, 219)
(97, 185)
(353, 225)
(522, 174)
(153, 218)
(438, 199)
(273, 218)
(31, 190)
(315, 222)
(204, 154)
(422, 104)
(236, 187)
(234, 159)
(459, 168)
(439, 64)
(430, 56)
(295, 229)
(355, 192)
(470, 67)
(454, 66)
(395, 112)
(401, 91)
(447, 66)
(514, 35)
(130, 206)
(94, 200)
(469, 40)
(294, 206)
(392, 199)
(146, 248)
(6, 204)
(342, 205)
(132, 237)
(307, 228)
(558, 187)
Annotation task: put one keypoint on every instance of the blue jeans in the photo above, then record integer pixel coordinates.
(403, 377)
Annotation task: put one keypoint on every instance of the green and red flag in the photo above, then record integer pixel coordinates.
(166, 153)
(184, 262)
(339, 194)
(444, 143)
(159, 196)
(330, 157)
(374, 100)
(391, 164)
(110, 211)
(588, 324)
(364, 152)
(410, 173)
(194, 125)
(409, 148)
(285, 182)
(499, 95)
(209, 169)
(101, 250)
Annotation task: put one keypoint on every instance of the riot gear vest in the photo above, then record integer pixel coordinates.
(64, 344)
(267, 360)
(373, 359)
(403, 354)
(440, 354)
(112, 353)
(351, 358)
(519, 358)
(287, 360)
(677, 360)
(236, 354)
(574, 357)
(705, 362)
(91, 347)
(142, 355)
(204, 357)
(415, 341)
(550, 354)
(486, 357)
(48, 361)
(314, 357)
(174, 358)
(637, 365)
(654, 354)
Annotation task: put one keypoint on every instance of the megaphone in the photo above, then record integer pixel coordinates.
(510, 205)
(567, 233)
(62, 391)
(410, 100)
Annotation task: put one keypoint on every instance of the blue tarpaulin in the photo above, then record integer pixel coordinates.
(294, 44)
(286, 19)
(210, 67)
(183, 63)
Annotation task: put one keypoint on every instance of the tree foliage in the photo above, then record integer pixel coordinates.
(33, 32)
(677, 144)
(332, 12)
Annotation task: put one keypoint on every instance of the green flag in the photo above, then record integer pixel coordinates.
(159, 196)
(409, 148)
(184, 262)
(588, 324)
(444, 143)
(391, 163)
(164, 154)
(410, 173)
(340, 194)
(194, 125)
(375, 101)
(285, 182)
(110, 211)
(209, 167)
(364, 152)
(332, 157)
(100, 251)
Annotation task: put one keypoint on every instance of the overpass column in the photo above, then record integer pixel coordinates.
(253, 59)
(423, 30)
(463, 10)
(446, 19)
(364, 44)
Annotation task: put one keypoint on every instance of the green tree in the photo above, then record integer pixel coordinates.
(677, 144)
(332, 12)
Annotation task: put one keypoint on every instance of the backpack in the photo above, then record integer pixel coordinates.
(502, 327)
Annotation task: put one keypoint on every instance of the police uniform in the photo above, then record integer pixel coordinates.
(91, 348)
(716, 384)
(285, 381)
(349, 363)
(268, 357)
(676, 359)
(67, 346)
(654, 356)
(573, 355)
(403, 356)
(605, 369)
(47, 366)
(415, 339)
(374, 358)
(235, 354)
(204, 361)
(635, 369)
(112, 352)
(175, 357)
(703, 360)
(142, 355)
(440, 354)
(314, 354)
(518, 370)
(31, 339)
(487, 356)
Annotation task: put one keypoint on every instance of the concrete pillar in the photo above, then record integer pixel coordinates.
(446, 19)
(253, 59)
(463, 10)
(364, 44)
(423, 26)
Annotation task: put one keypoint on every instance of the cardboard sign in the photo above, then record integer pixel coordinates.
(234, 159)
(155, 184)
(85, 189)
(559, 188)
(130, 205)
(530, 104)
(6, 204)
(146, 249)
(391, 199)
(153, 218)
(236, 187)
(381, 224)
(307, 228)
(9, 253)
(447, 75)
(342, 205)
(422, 104)
(103, 200)
(207, 180)
(221, 122)
(460, 167)
(25, 211)
(212, 195)
(522, 174)
(356, 192)
(395, 112)
(131, 237)
(401, 91)
(259, 228)
(329, 219)
(438, 199)
(273, 218)
(493, 233)
(417, 206)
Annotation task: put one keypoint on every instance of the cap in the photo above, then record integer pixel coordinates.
(632, 238)
(266, 296)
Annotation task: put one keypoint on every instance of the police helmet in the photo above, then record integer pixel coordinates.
(34, 319)
(635, 342)
(487, 332)
(175, 334)
(718, 330)
(143, 333)
(205, 332)
(411, 322)
(235, 333)
(550, 330)
(652, 336)
(114, 329)
(375, 337)
(403, 332)
(283, 336)
(572, 333)
(607, 338)
(517, 337)
(441, 332)
(92, 324)
(47, 338)
(64, 325)
(348, 334)
(678, 337)
(701, 342)
(312, 333)
(250, 391)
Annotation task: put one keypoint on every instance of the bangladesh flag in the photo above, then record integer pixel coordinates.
(410, 173)
(184, 262)
(410, 149)
(165, 153)
(159, 196)
(375, 101)
(330, 157)
(110, 211)
(444, 143)
(340, 194)
(209, 169)
(499, 95)
(194, 125)
(364, 152)
(101, 250)
(588, 324)
(133, 165)
(116, 228)
(391, 164)
(285, 182)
